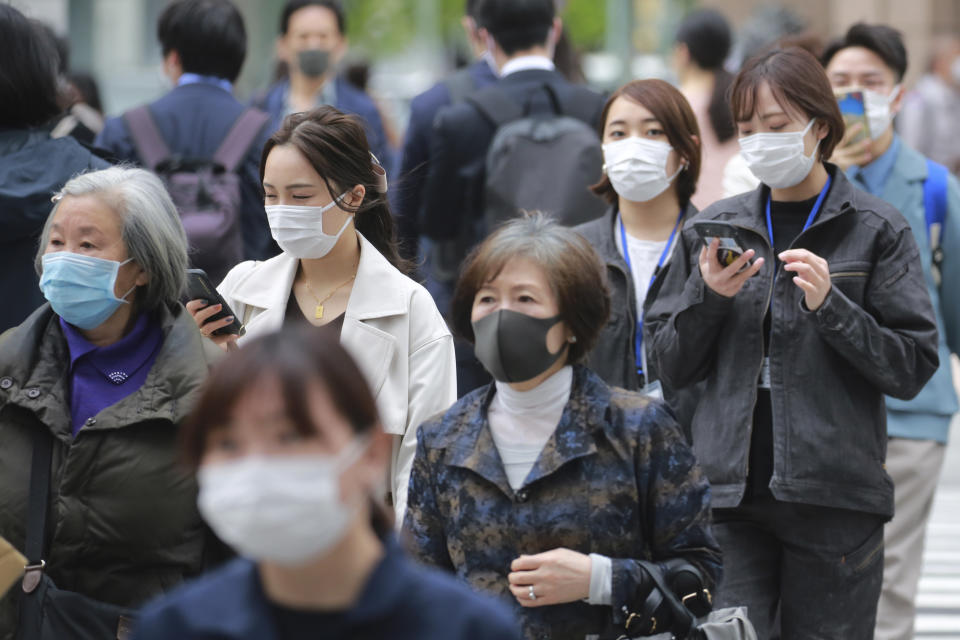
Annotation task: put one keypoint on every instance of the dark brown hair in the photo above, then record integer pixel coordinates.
(676, 117)
(798, 83)
(298, 357)
(574, 271)
(335, 144)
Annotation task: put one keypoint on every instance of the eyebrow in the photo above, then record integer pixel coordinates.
(622, 121)
(88, 229)
(298, 185)
(773, 114)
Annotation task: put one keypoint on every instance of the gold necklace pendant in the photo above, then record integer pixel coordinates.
(318, 314)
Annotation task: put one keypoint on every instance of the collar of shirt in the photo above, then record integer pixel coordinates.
(874, 175)
(326, 95)
(488, 58)
(196, 78)
(120, 360)
(525, 63)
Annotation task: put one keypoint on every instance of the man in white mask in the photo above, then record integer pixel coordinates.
(872, 58)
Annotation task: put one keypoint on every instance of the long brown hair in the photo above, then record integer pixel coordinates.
(335, 144)
(298, 357)
(672, 110)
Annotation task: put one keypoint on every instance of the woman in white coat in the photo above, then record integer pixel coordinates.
(325, 197)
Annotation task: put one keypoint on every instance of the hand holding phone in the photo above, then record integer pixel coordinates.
(724, 265)
(855, 147)
(210, 311)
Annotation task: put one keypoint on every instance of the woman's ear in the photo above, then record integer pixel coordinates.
(355, 197)
(821, 129)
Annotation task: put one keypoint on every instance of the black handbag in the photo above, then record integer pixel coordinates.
(46, 612)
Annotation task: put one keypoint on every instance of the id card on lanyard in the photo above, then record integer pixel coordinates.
(638, 336)
(764, 381)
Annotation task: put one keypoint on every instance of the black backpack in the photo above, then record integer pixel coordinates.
(541, 161)
(206, 191)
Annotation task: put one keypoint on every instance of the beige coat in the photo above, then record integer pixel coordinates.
(391, 327)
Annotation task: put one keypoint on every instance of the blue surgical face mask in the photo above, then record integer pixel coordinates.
(81, 288)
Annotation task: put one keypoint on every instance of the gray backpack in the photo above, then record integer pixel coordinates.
(541, 161)
(206, 191)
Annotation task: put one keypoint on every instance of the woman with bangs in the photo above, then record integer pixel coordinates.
(651, 151)
(795, 343)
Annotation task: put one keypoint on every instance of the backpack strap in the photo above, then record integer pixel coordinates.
(241, 135)
(495, 105)
(147, 138)
(935, 211)
(460, 84)
(582, 105)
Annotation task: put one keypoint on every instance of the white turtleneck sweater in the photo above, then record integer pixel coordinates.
(521, 422)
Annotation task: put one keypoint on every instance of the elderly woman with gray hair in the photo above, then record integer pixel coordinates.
(93, 386)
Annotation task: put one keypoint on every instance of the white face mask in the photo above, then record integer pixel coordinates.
(777, 159)
(282, 509)
(299, 230)
(877, 107)
(637, 168)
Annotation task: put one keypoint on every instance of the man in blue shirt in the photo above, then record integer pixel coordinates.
(872, 58)
(311, 45)
(204, 43)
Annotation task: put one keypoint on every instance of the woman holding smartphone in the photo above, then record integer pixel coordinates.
(795, 342)
(326, 200)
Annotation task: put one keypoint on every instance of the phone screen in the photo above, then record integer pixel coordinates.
(854, 111)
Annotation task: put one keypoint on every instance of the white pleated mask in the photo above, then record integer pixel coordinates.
(299, 229)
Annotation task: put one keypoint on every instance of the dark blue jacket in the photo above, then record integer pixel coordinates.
(193, 120)
(349, 100)
(401, 601)
(616, 478)
(416, 151)
(33, 167)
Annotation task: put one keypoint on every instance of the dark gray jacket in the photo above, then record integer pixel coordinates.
(874, 334)
(613, 358)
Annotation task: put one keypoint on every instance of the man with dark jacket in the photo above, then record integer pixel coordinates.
(204, 44)
(311, 45)
(415, 164)
(33, 166)
(521, 35)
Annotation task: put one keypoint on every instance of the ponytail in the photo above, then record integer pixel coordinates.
(375, 222)
(721, 118)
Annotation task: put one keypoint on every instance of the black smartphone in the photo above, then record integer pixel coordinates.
(731, 246)
(200, 287)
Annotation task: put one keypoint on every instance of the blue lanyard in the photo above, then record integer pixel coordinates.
(806, 225)
(638, 338)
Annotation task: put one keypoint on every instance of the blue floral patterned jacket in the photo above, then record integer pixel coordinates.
(616, 478)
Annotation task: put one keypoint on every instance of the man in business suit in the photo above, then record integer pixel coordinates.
(204, 43)
(415, 163)
(521, 35)
(311, 45)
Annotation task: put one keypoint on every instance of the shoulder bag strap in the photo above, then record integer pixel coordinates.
(36, 525)
(495, 105)
(241, 135)
(935, 212)
(146, 137)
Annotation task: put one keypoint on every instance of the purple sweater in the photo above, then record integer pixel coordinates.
(103, 376)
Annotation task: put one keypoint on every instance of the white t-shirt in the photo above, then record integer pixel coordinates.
(644, 255)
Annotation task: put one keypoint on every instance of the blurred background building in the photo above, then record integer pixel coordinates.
(410, 43)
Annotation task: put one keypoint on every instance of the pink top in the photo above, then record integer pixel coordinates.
(715, 154)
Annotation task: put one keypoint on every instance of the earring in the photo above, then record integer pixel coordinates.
(572, 339)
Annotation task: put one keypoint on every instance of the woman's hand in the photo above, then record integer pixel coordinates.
(201, 312)
(557, 576)
(849, 153)
(726, 281)
(813, 275)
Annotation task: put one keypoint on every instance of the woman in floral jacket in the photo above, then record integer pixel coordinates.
(549, 487)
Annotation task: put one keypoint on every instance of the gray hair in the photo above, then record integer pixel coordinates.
(151, 228)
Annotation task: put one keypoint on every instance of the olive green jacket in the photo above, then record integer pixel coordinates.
(122, 525)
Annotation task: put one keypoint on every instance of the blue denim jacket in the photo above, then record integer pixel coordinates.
(927, 416)
(616, 478)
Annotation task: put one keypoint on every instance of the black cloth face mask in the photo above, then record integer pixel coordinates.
(313, 63)
(512, 346)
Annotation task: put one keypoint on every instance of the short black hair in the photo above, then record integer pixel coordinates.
(707, 36)
(884, 41)
(293, 6)
(28, 75)
(517, 25)
(209, 36)
(472, 8)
